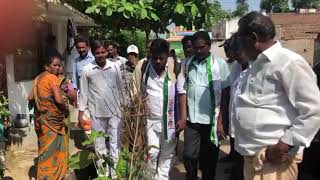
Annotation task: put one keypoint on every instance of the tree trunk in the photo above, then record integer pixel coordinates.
(147, 32)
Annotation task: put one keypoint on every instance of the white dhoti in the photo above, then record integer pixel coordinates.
(161, 152)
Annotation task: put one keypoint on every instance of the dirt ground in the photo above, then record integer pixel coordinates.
(23, 151)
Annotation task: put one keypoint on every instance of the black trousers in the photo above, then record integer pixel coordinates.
(197, 146)
(237, 168)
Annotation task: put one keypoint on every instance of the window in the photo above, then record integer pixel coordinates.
(28, 59)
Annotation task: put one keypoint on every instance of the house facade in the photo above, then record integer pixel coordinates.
(298, 32)
(22, 66)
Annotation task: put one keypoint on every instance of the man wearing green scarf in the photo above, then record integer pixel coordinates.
(200, 84)
(158, 85)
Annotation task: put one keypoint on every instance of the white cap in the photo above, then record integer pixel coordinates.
(132, 49)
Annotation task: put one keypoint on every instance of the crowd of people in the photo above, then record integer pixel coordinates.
(269, 104)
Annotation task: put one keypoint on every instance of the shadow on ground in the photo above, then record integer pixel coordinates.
(87, 173)
(16, 136)
(7, 178)
(78, 136)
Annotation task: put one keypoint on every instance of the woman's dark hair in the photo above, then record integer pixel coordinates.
(96, 44)
(81, 39)
(159, 46)
(50, 60)
(201, 35)
(258, 23)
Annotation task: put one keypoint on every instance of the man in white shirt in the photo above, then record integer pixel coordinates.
(278, 112)
(239, 71)
(101, 92)
(158, 84)
(114, 56)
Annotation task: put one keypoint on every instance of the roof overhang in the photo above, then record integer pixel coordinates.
(63, 12)
(53, 12)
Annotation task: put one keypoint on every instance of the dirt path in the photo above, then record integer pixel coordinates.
(20, 158)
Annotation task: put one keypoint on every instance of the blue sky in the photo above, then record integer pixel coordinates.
(254, 5)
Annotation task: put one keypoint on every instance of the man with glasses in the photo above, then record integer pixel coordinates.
(278, 109)
(201, 81)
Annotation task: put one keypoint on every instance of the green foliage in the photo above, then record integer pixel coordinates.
(242, 8)
(127, 9)
(122, 169)
(275, 6)
(84, 158)
(123, 37)
(298, 4)
(93, 136)
(102, 178)
(4, 111)
(215, 14)
(148, 15)
(81, 159)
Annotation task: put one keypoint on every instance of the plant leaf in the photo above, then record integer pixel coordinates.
(120, 9)
(87, 142)
(108, 12)
(194, 10)
(81, 159)
(143, 13)
(154, 16)
(91, 9)
(122, 169)
(97, 10)
(179, 8)
(128, 7)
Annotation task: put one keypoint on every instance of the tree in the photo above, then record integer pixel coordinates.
(242, 8)
(274, 6)
(126, 38)
(147, 15)
(298, 4)
(215, 14)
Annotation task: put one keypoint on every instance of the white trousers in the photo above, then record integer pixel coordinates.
(161, 153)
(112, 127)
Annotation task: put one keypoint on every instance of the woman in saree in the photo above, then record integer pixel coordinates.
(50, 111)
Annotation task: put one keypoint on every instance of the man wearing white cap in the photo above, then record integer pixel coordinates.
(133, 53)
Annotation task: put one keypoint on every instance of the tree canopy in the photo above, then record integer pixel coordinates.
(297, 4)
(275, 6)
(242, 8)
(148, 15)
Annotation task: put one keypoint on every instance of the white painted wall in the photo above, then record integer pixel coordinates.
(17, 91)
(231, 27)
(60, 30)
(218, 51)
(225, 28)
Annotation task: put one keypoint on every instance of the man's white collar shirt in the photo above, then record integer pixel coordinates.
(154, 89)
(101, 90)
(280, 101)
(238, 77)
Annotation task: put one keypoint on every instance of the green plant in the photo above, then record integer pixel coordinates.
(4, 110)
(85, 157)
(4, 113)
(123, 37)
